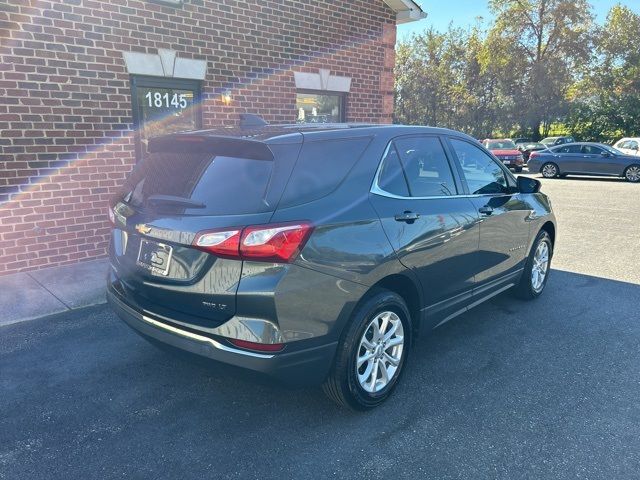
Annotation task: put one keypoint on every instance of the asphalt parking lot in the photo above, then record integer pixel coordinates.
(511, 390)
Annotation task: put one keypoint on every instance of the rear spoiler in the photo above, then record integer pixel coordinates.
(216, 145)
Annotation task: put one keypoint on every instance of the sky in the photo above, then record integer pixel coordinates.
(464, 13)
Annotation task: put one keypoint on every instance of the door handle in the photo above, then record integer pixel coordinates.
(486, 210)
(407, 216)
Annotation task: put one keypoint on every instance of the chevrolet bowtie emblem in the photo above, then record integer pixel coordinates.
(142, 228)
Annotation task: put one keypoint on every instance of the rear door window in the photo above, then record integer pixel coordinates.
(568, 149)
(426, 167)
(391, 178)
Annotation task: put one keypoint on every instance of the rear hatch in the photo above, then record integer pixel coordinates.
(190, 184)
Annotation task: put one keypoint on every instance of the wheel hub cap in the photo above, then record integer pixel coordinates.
(380, 352)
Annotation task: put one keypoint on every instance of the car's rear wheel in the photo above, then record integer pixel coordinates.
(549, 170)
(372, 353)
(632, 173)
(536, 270)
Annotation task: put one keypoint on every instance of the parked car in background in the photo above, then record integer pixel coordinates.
(585, 159)
(521, 141)
(527, 148)
(316, 253)
(506, 151)
(553, 141)
(630, 146)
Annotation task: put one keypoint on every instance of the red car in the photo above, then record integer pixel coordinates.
(506, 151)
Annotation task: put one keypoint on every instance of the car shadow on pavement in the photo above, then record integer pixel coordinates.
(509, 379)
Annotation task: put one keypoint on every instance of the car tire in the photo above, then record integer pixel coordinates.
(344, 385)
(632, 173)
(531, 286)
(549, 170)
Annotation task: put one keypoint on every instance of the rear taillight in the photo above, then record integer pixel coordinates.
(533, 155)
(267, 243)
(222, 243)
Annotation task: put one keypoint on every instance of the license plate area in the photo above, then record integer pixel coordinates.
(154, 257)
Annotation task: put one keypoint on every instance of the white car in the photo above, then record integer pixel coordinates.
(630, 146)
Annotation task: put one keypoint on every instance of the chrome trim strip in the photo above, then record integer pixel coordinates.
(475, 304)
(185, 333)
(200, 338)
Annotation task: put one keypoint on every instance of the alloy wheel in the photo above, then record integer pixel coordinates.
(540, 266)
(549, 170)
(380, 352)
(633, 173)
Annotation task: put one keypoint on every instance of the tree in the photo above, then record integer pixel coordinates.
(606, 101)
(543, 42)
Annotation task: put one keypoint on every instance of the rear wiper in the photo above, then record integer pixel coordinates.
(173, 200)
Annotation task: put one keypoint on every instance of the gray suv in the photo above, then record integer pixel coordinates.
(316, 254)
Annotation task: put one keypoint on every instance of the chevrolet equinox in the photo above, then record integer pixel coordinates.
(316, 254)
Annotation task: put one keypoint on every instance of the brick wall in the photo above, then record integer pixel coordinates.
(65, 107)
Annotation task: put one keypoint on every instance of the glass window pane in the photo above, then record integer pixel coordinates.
(483, 174)
(426, 166)
(591, 150)
(164, 110)
(318, 108)
(391, 178)
(204, 178)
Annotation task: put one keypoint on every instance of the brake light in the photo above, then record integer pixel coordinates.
(267, 243)
(223, 243)
(533, 154)
(274, 243)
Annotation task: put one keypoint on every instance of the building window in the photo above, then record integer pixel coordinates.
(316, 107)
(163, 105)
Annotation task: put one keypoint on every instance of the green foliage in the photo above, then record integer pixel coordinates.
(541, 66)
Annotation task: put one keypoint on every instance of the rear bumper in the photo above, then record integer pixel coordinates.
(298, 366)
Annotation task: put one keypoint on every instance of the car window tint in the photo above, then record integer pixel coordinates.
(591, 150)
(568, 149)
(482, 173)
(391, 178)
(203, 178)
(632, 145)
(426, 166)
(321, 167)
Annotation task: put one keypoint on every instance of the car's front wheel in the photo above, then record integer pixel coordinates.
(632, 173)
(372, 353)
(549, 170)
(536, 270)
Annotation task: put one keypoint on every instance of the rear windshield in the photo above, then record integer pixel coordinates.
(500, 145)
(211, 184)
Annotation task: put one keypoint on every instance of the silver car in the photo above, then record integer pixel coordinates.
(585, 158)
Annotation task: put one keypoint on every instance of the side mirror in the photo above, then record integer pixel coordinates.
(605, 154)
(528, 185)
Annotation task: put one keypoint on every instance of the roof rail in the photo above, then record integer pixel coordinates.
(250, 120)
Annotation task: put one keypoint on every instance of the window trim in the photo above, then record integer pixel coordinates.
(136, 81)
(328, 93)
(459, 183)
